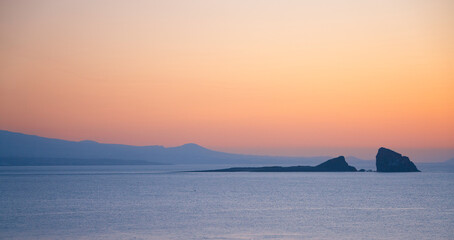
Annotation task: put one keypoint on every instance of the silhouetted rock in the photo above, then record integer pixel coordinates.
(390, 161)
(333, 165)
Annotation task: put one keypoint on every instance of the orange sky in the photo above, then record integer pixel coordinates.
(244, 76)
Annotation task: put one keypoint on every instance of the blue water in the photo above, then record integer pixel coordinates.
(155, 202)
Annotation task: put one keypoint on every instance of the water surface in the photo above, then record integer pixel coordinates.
(157, 202)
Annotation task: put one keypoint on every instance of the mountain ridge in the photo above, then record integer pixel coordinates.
(14, 145)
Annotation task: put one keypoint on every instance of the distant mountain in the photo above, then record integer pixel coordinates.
(23, 149)
(35, 161)
(446, 166)
(450, 161)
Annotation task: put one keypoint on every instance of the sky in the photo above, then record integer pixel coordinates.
(315, 77)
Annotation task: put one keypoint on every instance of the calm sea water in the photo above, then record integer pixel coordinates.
(155, 202)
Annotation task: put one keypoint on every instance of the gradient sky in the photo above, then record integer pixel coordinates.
(266, 77)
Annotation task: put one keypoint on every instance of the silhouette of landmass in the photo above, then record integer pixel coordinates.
(22, 149)
(333, 165)
(24, 161)
(390, 161)
(17, 149)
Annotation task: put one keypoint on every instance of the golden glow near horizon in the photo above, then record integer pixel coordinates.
(230, 74)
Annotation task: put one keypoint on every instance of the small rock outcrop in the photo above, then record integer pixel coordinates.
(390, 161)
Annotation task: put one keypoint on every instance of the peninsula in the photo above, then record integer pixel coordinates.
(333, 165)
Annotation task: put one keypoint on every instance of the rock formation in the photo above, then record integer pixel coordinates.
(333, 165)
(390, 161)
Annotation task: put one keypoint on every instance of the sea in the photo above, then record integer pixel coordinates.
(163, 202)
